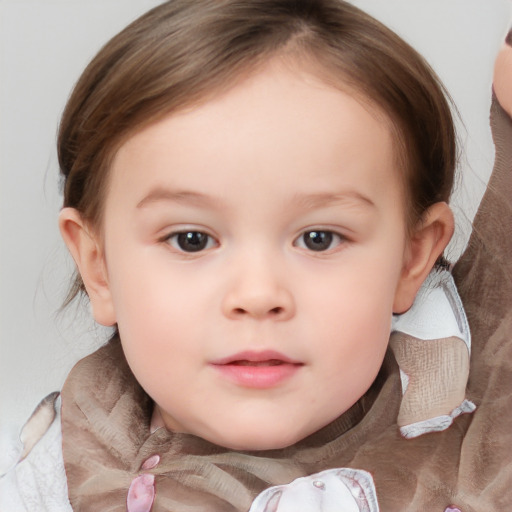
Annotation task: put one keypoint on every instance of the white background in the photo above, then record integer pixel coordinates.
(44, 45)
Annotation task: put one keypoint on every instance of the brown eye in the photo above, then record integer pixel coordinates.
(191, 241)
(318, 240)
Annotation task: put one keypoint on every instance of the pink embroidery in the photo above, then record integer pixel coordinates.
(152, 462)
(141, 494)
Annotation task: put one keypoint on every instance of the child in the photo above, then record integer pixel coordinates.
(252, 190)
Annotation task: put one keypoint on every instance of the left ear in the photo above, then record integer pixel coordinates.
(428, 241)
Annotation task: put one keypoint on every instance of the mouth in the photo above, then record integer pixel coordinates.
(270, 362)
(253, 358)
(259, 370)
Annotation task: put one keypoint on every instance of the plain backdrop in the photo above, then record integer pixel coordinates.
(44, 45)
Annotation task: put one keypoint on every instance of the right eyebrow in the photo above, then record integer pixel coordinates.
(164, 194)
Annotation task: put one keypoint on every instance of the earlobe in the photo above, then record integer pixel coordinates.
(427, 243)
(85, 248)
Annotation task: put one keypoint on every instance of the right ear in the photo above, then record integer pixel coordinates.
(85, 248)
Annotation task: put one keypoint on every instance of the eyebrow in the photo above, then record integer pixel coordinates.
(159, 194)
(324, 199)
(307, 201)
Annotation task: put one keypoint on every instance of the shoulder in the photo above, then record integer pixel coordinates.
(37, 481)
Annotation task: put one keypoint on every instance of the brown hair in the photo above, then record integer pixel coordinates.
(183, 51)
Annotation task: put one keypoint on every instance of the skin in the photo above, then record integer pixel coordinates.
(502, 82)
(279, 155)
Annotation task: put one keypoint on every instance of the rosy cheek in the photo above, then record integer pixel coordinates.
(503, 78)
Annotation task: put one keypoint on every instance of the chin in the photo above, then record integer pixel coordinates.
(259, 440)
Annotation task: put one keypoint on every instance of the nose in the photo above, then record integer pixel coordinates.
(258, 291)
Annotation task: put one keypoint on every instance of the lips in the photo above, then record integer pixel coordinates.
(250, 357)
(257, 370)
(270, 362)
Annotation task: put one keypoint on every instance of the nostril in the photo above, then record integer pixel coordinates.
(272, 312)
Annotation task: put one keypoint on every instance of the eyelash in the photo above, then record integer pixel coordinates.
(315, 240)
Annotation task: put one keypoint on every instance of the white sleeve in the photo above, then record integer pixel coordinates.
(38, 482)
(437, 311)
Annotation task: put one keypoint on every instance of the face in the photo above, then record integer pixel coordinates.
(502, 79)
(253, 249)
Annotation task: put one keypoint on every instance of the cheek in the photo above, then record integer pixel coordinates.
(502, 82)
(358, 293)
(351, 314)
(143, 291)
(158, 336)
(357, 347)
(160, 310)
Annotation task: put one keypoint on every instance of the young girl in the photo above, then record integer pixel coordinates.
(253, 190)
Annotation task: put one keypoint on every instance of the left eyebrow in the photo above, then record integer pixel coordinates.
(162, 194)
(319, 200)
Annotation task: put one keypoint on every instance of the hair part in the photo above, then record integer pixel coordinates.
(184, 52)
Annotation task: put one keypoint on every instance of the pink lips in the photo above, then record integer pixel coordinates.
(257, 369)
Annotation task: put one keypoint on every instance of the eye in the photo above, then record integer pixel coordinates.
(318, 240)
(191, 241)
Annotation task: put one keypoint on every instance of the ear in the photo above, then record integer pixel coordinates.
(427, 243)
(85, 248)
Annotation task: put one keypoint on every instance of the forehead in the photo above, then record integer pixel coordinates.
(285, 74)
(278, 118)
